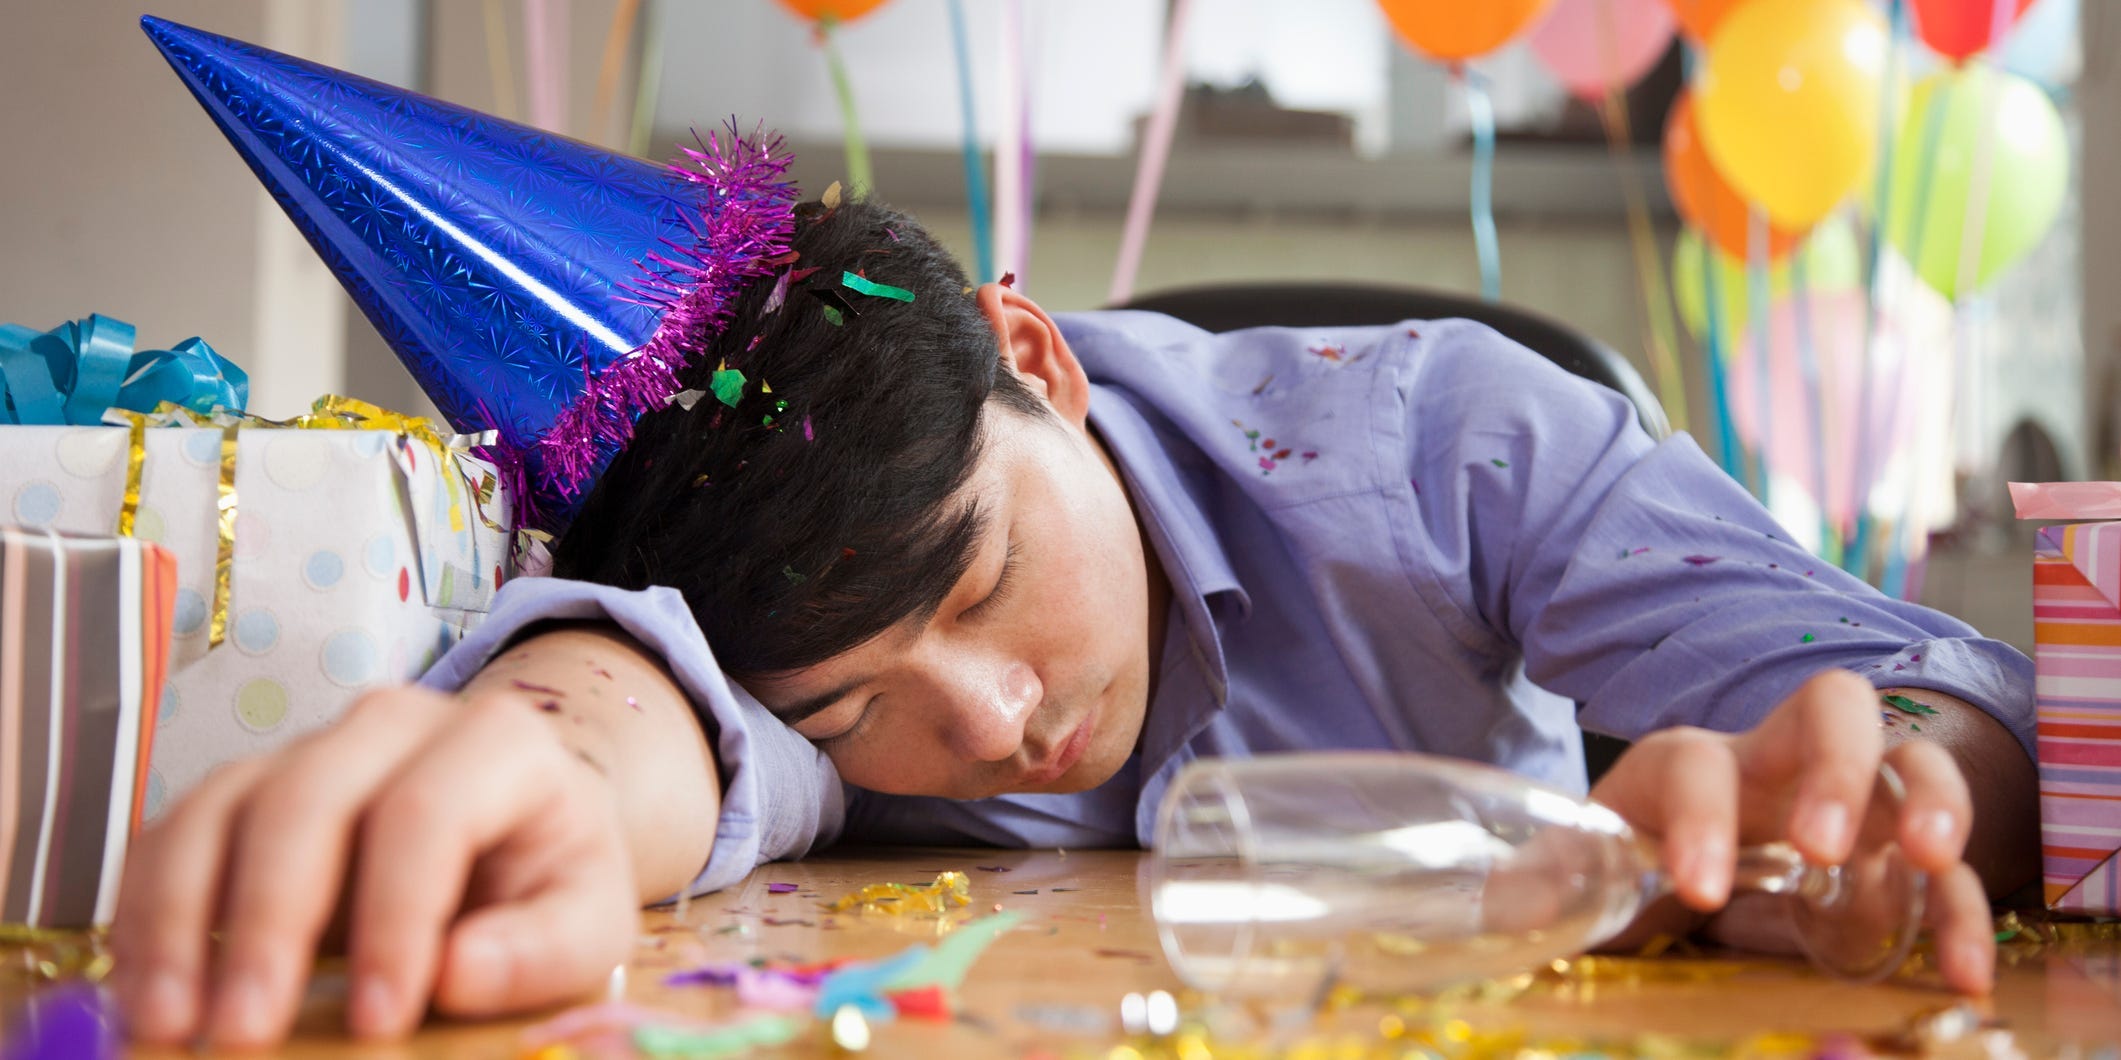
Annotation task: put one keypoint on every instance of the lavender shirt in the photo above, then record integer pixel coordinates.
(1421, 537)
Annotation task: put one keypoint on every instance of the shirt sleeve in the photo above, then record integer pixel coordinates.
(1636, 576)
(781, 798)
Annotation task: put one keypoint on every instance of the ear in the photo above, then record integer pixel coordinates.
(1032, 346)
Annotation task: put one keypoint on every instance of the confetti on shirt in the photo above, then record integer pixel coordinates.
(1499, 463)
(1700, 561)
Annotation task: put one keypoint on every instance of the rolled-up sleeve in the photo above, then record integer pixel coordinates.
(781, 798)
(1638, 578)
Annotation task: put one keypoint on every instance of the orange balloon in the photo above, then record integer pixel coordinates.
(1456, 30)
(1699, 18)
(836, 10)
(1701, 195)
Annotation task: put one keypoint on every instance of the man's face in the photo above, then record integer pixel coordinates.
(1033, 675)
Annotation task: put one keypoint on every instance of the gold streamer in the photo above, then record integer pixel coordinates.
(135, 462)
(1649, 266)
(225, 549)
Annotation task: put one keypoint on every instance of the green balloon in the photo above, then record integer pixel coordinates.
(1833, 261)
(1953, 119)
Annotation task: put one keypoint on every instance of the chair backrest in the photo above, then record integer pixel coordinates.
(1230, 307)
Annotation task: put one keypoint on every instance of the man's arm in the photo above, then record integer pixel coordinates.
(616, 706)
(491, 850)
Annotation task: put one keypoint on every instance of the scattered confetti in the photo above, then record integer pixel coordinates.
(833, 316)
(790, 573)
(865, 285)
(831, 198)
(549, 706)
(1008, 279)
(540, 689)
(1330, 351)
(1137, 956)
(994, 868)
(1032, 891)
(659, 1041)
(1806, 639)
(809, 435)
(949, 891)
(781, 888)
(1499, 463)
(685, 399)
(1908, 706)
(728, 385)
(1700, 561)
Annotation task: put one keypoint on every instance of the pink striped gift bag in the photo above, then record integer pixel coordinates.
(2077, 651)
(84, 647)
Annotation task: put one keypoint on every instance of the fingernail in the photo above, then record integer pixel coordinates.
(241, 1011)
(1827, 825)
(164, 1007)
(369, 1010)
(1934, 826)
(1976, 958)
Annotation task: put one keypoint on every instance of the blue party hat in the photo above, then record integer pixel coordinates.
(536, 286)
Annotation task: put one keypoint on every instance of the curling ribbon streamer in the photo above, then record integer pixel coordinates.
(1482, 112)
(650, 86)
(1715, 341)
(976, 204)
(1649, 269)
(545, 53)
(70, 374)
(1862, 477)
(1009, 236)
(1822, 427)
(860, 180)
(616, 40)
(1155, 151)
(1756, 296)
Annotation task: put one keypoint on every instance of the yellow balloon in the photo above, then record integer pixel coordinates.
(1788, 103)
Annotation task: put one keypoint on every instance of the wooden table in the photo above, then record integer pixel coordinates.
(1087, 941)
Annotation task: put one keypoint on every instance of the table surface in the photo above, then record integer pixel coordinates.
(1054, 984)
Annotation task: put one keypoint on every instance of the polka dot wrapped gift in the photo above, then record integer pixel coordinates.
(359, 546)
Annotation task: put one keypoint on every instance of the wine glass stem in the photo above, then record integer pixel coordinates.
(1777, 868)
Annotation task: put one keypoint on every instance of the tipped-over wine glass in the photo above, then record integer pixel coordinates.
(1405, 873)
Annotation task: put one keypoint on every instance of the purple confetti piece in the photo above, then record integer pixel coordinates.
(541, 689)
(1699, 560)
(995, 868)
(781, 888)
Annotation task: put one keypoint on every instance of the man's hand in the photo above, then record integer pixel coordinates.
(481, 862)
(1806, 774)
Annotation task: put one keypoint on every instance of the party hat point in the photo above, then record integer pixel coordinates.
(536, 286)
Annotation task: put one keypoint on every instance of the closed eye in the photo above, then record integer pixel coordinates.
(860, 722)
(1002, 584)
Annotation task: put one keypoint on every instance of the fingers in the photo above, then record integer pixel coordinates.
(1966, 941)
(421, 837)
(1825, 740)
(286, 855)
(560, 944)
(1937, 813)
(1701, 822)
(166, 905)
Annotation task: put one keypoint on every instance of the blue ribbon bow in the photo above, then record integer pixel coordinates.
(73, 372)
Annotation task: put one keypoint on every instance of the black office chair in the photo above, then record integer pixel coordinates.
(1231, 307)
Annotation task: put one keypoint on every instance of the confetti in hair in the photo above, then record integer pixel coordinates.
(865, 285)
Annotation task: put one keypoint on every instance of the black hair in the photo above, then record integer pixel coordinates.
(802, 522)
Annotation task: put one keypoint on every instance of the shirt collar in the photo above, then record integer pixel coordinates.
(1204, 588)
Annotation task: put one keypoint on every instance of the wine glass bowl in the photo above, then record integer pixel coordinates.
(1406, 873)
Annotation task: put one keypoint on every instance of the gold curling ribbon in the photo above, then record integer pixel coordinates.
(225, 549)
(135, 461)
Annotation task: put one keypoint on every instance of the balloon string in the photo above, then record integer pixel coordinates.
(1649, 268)
(1713, 350)
(1818, 406)
(545, 52)
(612, 61)
(1862, 476)
(1756, 290)
(646, 93)
(498, 65)
(1155, 150)
(1482, 112)
(975, 172)
(1008, 154)
(859, 178)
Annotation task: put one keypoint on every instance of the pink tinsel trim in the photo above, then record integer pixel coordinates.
(746, 225)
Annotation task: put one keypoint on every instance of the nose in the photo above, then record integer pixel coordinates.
(988, 706)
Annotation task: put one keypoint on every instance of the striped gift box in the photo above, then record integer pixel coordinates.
(2077, 650)
(84, 645)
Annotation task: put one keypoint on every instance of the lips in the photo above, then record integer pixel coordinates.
(1066, 756)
